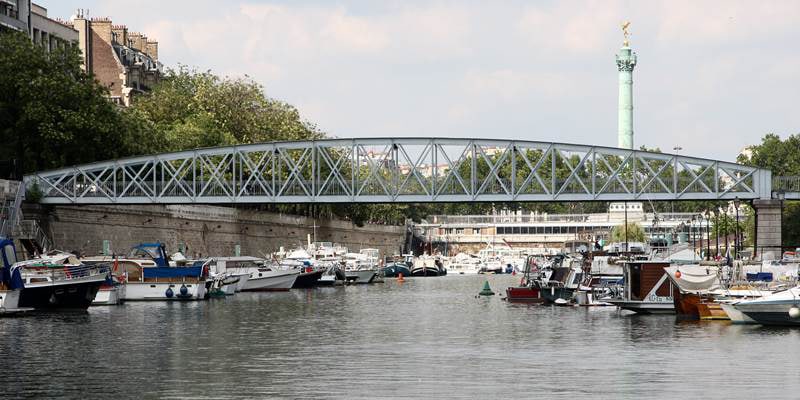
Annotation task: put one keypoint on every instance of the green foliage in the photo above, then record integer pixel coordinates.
(190, 109)
(51, 112)
(782, 157)
(635, 233)
(33, 193)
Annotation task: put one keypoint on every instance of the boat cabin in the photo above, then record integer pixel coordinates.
(647, 288)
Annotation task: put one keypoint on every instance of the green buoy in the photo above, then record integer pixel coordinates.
(486, 291)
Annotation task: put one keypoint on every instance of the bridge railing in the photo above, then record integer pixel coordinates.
(790, 185)
(402, 170)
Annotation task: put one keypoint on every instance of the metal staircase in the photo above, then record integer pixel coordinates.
(29, 233)
(11, 196)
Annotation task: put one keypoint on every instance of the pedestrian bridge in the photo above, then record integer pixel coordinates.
(383, 170)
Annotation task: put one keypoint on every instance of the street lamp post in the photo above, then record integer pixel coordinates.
(736, 241)
(716, 231)
(700, 232)
(691, 232)
(725, 219)
(708, 236)
(781, 195)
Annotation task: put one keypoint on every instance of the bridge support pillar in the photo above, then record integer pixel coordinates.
(768, 229)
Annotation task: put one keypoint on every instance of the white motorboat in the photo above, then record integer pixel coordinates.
(465, 264)
(361, 267)
(779, 308)
(148, 274)
(270, 279)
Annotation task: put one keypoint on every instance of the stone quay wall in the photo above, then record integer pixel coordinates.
(202, 230)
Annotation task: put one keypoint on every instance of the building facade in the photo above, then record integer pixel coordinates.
(50, 33)
(124, 62)
(31, 19)
(470, 233)
(15, 15)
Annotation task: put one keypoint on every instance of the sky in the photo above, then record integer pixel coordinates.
(712, 76)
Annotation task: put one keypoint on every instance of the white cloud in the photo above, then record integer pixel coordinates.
(535, 70)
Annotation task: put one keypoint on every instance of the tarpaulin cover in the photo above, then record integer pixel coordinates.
(695, 278)
(759, 276)
(172, 272)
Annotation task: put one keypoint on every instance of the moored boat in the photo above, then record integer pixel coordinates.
(11, 283)
(59, 280)
(692, 289)
(270, 279)
(647, 288)
(779, 308)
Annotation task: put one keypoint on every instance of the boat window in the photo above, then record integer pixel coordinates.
(8, 251)
(147, 252)
(577, 279)
(633, 280)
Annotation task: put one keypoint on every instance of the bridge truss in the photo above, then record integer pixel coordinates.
(383, 170)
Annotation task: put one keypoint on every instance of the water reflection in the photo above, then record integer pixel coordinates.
(425, 338)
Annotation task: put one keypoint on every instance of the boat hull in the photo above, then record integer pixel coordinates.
(736, 316)
(392, 271)
(157, 291)
(550, 295)
(686, 304)
(307, 279)
(109, 295)
(73, 294)
(9, 303)
(524, 294)
(771, 313)
(271, 283)
(425, 271)
(711, 311)
(643, 307)
(361, 276)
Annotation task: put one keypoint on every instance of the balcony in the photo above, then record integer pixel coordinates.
(12, 23)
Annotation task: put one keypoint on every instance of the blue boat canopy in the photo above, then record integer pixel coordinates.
(173, 272)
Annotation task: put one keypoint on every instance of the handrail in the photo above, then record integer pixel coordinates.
(14, 213)
(58, 272)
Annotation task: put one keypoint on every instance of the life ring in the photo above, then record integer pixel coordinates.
(67, 272)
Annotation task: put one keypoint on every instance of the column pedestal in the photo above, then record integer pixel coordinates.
(768, 229)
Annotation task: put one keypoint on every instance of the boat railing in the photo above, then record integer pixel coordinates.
(66, 272)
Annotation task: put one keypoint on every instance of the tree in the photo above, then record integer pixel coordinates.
(190, 109)
(783, 159)
(51, 112)
(635, 233)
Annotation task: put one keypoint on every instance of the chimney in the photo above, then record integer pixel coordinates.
(102, 28)
(121, 32)
(152, 49)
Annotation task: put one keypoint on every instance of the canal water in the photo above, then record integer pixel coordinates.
(424, 338)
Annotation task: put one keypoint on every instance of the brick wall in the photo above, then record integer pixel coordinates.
(104, 63)
(206, 230)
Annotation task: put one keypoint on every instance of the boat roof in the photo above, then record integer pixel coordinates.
(238, 258)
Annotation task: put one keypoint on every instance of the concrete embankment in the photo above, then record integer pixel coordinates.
(201, 230)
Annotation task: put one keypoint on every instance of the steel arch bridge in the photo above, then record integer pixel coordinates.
(383, 170)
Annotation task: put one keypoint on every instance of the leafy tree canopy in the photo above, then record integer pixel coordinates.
(51, 112)
(190, 109)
